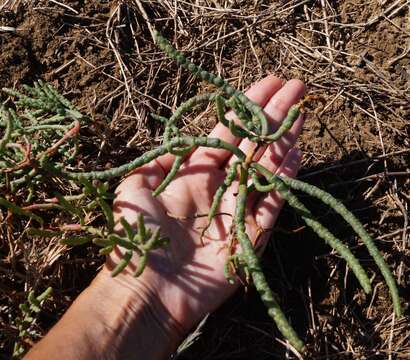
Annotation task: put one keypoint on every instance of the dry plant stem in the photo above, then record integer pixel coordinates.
(358, 228)
(254, 267)
(19, 211)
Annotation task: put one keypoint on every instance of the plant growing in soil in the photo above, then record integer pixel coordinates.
(39, 145)
(26, 322)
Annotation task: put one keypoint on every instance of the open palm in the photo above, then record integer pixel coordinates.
(188, 276)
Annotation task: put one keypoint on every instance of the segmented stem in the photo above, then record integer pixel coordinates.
(50, 127)
(255, 268)
(220, 112)
(242, 113)
(141, 242)
(142, 262)
(147, 157)
(9, 128)
(122, 264)
(230, 177)
(45, 98)
(186, 107)
(291, 117)
(48, 109)
(338, 207)
(108, 213)
(217, 80)
(277, 184)
(175, 167)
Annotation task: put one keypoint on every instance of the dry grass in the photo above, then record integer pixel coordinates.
(353, 54)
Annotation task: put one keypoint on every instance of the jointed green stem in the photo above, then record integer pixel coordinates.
(9, 128)
(186, 107)
(109, 216)
(45, 98)
(149, 156)
(277, 184)
(175, 167)
(49, 127)
(357, 227)
(217, 80)
(142, 262)
(23, 180)
(122, 264)
(291, 117)
(242, 114)
(47, 114)
(230, 177)
(140, 242)
(255, 268)
(220, 112)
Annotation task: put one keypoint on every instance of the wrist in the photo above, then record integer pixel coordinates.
(110, 320)
(166, 287)
(137, 319)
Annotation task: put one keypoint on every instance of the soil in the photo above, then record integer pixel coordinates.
(366, 116)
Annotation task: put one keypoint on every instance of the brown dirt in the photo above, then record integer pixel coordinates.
(366, 89)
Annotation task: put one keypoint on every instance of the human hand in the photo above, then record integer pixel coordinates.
(187, 277)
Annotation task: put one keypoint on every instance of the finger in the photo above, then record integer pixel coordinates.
(278, 106)
(276, 110)
(273, 155)
(148, 176)
(260, 93)
(268, 207)
(165, 162)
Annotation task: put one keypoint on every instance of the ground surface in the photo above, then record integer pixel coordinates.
(354, 54)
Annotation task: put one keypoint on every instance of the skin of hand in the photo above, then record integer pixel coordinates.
(147, 317)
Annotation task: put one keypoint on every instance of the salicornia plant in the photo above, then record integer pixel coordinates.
(25, 323)
(56, 124)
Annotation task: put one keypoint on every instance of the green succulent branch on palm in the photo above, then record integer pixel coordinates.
(48, 114)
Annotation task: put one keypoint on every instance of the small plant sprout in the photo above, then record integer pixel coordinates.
(41, 142)
(26, 322)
